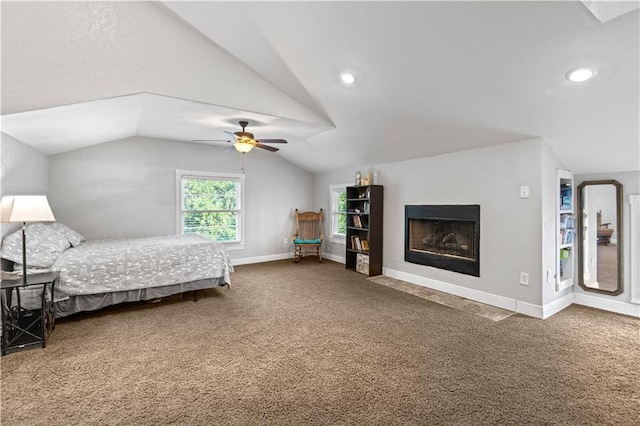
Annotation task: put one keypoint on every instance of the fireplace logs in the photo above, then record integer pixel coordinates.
(450, 243)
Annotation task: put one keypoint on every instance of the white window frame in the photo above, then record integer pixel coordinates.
(238, 177)
(334, 190)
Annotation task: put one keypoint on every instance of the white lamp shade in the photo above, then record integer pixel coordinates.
(25, 208)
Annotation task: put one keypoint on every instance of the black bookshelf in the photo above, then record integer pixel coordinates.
(364, 229)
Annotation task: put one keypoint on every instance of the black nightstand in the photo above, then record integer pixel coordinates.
(24, 324)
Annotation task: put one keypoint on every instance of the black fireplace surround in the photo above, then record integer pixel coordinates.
(443, 236)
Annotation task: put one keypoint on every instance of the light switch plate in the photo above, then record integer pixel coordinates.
(524, 191)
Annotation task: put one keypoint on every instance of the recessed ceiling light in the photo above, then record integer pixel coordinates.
(347, 78)
(579, 75)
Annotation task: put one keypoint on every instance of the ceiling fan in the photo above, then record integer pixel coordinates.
(245, 142)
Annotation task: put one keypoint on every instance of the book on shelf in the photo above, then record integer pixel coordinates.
(567, 236)
(358, 244)
(565, 197)
(567, 221)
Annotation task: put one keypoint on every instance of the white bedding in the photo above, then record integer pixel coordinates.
(103, 266)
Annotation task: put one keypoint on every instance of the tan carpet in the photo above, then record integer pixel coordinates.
(607, 257)
(316, 344)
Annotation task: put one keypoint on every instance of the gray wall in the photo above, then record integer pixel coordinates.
(23, 172)
(630, 186)
(511, 228)
(127, 188)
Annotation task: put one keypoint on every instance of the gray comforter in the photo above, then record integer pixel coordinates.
(103, 266)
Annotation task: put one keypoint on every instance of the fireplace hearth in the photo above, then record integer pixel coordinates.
(444, 236)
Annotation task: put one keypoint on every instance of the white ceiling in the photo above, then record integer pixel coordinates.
(80, 125)
(433, 77)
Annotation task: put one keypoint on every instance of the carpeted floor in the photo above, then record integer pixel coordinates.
(316, 344)
(607, 256)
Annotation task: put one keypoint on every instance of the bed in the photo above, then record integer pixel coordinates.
(99, 273)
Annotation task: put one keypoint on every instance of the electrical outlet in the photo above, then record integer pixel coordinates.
(524, 278)
(285, 241)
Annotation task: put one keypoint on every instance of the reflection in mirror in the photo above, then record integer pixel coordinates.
(600, 233)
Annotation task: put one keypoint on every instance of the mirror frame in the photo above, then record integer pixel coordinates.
(619, 230)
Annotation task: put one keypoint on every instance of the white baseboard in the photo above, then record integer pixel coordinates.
(334, 257)
(524, 308)
(281, 256)
(260, 259)
(529, 309)
(557, 305)
(624, 308)
(467, 293)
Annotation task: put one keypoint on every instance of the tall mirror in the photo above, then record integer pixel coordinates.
(600, 236)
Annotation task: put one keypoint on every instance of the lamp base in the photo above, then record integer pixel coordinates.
(24, 253)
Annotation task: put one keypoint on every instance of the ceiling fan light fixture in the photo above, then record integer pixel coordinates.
(578, 75)
(243, 147)
(347, 78)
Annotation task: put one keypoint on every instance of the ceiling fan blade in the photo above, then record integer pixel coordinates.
(231, 148)
(210, 140)
(267, 147)
(233, 135)
(271, 141)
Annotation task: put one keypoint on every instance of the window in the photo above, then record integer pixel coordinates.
(338, 213)
(210, 204)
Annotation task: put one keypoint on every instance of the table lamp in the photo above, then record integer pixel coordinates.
(25, 208)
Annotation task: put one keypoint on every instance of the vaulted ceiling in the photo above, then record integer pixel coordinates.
(432, 77)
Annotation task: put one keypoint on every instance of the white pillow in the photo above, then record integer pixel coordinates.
(72, 236)
(44, 245)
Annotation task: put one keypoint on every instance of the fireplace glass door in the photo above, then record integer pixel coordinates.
(444, 236)
(452, 238)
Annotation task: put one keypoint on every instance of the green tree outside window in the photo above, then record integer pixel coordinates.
(210, 208)
(342, 213)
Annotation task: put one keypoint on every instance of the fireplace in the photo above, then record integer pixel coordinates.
(443, 236)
